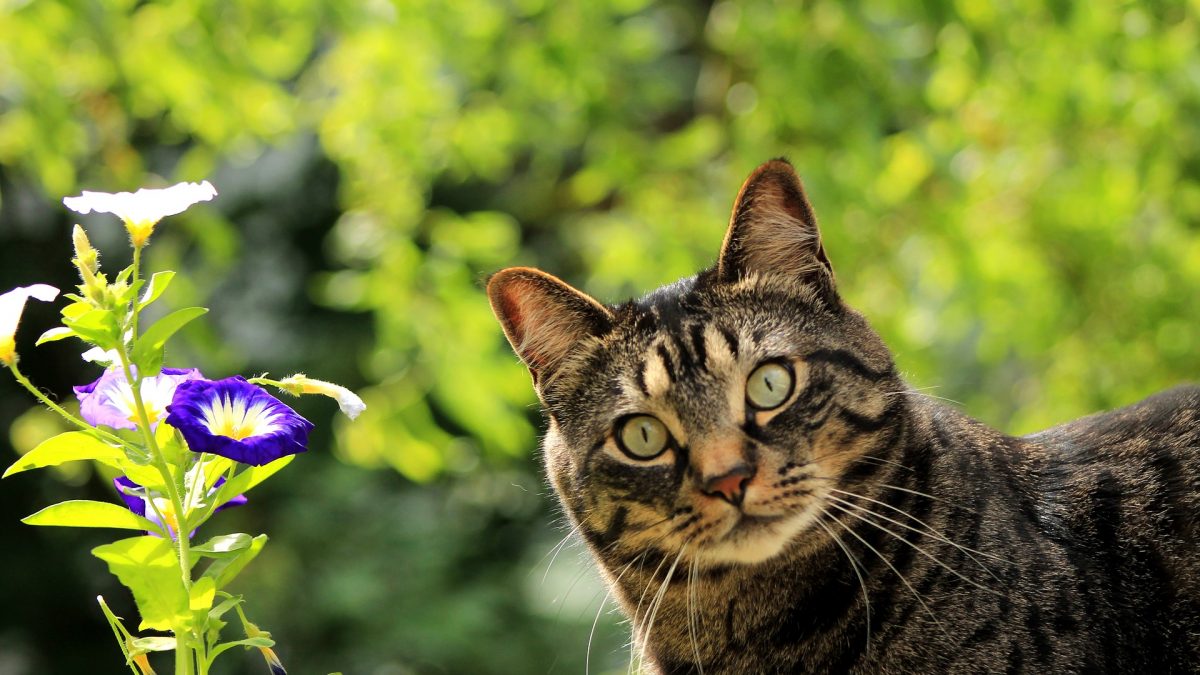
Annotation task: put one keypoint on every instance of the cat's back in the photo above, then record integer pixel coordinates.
(1140, 462)
(1167, 421)
(1121, 491)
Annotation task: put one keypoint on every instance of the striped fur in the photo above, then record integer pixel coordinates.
(878, 530)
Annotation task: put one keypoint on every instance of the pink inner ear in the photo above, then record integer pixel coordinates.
(512, 311)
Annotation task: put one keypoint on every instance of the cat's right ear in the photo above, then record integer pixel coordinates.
(773, 231)
(543, 317)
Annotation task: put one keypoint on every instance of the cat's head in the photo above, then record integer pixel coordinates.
(714, 415)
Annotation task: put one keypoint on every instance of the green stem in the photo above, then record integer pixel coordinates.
(137, 264)
(184, 650)
(111, 438)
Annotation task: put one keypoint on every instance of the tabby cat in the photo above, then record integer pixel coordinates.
(763, 494)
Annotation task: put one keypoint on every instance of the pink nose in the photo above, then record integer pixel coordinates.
(731, 486)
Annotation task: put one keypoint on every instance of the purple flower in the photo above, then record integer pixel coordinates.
(109, 400)
(238, 420)
(137, 497)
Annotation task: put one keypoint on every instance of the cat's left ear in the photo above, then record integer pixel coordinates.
(543, 317)
(773, 230)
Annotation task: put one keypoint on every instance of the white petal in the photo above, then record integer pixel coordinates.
(101, 356)
(350, 403)
(12, 304)
(145, 205)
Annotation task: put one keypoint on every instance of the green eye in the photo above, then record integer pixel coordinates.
(643, 437)
(769, 386)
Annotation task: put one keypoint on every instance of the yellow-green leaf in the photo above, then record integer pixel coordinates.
(148, 567)
(67, 447)
(87, 513)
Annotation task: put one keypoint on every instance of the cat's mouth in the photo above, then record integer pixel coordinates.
(755, 538)
(748, 524)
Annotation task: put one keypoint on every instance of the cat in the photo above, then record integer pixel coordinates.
(763, 494)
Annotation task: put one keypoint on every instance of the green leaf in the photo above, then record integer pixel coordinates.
(247, 642)
(54, 334)
(250, 477)
(148, 567)
(221, 609)
(223, 570)
(200, 600)
(148, 349)
(98, 326)
(68, 447)
(144, 475)
(75, 309)
(224, 546)
(153, 644)
(158, 284)
(87, 513)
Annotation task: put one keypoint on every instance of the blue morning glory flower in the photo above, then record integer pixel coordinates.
(109, 400)
(137, 498)
(238, 420)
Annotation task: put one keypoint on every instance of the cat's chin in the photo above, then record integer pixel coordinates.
(756, 539)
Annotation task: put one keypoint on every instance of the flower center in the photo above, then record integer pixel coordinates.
(168, 513)
(232, 418)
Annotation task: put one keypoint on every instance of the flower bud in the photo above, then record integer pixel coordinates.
(87, 259)
(350, 403)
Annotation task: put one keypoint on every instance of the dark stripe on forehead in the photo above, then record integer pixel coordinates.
(687, 364)
(640, 378)
(646, 322)
(697, 332)
(667, 361)
(848, 361)
(730, 339)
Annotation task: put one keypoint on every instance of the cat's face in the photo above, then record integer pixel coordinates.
(713, 419)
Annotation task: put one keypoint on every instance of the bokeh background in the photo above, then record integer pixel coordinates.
(1009, 190)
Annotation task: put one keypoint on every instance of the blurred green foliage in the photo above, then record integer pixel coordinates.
(1009, 191)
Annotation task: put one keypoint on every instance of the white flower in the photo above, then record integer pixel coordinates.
(351, 405)
(142, 210)
(12, 304)
(101, 356)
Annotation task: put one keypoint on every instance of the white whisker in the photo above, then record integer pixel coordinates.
(892, 567)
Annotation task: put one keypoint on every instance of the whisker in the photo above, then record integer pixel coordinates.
(884, 461)
(555, 551)
(638, 610)
(929, 530)
(658, 599)
(854, 565)
(838, 453)
(891, 567)
(928, 496)
(587, 660)
(692, 618)
(901, 539)
(916, 391)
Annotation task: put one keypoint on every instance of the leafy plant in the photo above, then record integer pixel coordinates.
(184, 447)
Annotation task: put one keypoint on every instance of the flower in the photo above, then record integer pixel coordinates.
(142, 210)
(101, 356)
(238, 420)
(12, 304)
(109, 400)
(139, 500)
(273, 661)
(347, 400)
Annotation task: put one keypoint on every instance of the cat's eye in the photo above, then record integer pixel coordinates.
(769, 385)
(642, 437)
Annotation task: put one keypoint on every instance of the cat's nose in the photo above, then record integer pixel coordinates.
(730, 486)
